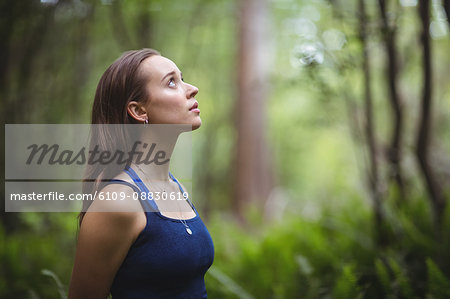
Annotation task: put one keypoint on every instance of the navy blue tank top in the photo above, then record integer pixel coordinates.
(164, 261)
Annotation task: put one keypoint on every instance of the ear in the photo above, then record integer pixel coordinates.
(137, 111)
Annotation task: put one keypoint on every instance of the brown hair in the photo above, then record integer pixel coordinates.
(120, 84)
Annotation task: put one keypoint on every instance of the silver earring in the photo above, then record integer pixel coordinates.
(145, 122)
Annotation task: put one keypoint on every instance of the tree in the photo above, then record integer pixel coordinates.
(372, 173)
(253, 176)
(423, 142)
(391, 68)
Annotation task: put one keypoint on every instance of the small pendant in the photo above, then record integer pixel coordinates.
(188, 230)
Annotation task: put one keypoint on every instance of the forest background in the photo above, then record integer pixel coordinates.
(322, 168)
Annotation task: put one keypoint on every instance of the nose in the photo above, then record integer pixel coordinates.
(191, 91)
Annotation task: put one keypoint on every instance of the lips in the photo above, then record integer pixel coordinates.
(194, 106)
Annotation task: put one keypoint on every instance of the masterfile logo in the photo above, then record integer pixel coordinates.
(46, 165)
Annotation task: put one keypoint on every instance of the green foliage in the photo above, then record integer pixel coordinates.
(59, 285)
(383, 276)
(401, 281)
(320, 242)
(347, 284)
(229, 284)
(37, 261)
(438, 283)
(332, 256)
(285, 259)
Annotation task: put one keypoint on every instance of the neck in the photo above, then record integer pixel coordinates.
(156, 145)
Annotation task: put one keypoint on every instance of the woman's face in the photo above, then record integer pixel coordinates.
(171, 99)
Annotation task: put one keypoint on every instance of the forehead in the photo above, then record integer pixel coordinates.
(156, 67)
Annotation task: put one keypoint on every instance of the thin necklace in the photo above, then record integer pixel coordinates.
(183, 221)
(186, 226)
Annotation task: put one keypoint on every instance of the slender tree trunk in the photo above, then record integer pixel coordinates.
(144, 26)
(395, 147)
(120, 31)
(17, 66)
(424, 138)
(8, 14)
(373, 177)
(82, 66)
(253, 175)
(140, 35)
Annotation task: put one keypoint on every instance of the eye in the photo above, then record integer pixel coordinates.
(171, 83)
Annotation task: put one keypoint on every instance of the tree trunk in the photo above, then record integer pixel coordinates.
(120, 31)
(253, 175)
(395, 147)
(423, 138)
(82, 67)
(373, 177)
(144, 26)
(17, 66)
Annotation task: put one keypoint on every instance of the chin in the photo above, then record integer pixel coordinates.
(196, 124)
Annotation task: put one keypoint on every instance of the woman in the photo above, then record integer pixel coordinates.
(140, 248)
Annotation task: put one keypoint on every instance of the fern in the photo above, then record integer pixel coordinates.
(347, 284)
(230, 284)
(62, 293)
(401, 280)
(383, 276)
(438, 284)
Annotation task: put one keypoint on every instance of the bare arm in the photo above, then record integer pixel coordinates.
(103, 242)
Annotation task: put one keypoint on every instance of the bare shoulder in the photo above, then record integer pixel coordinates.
(108, 230)
(116, 207)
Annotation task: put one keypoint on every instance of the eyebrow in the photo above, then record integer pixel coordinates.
(171, 73)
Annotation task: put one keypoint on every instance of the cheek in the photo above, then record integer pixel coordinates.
(167, 106)
(172, 101)
(163, 99)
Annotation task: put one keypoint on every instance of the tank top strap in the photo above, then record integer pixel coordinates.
(182, 191)
(133, 175)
